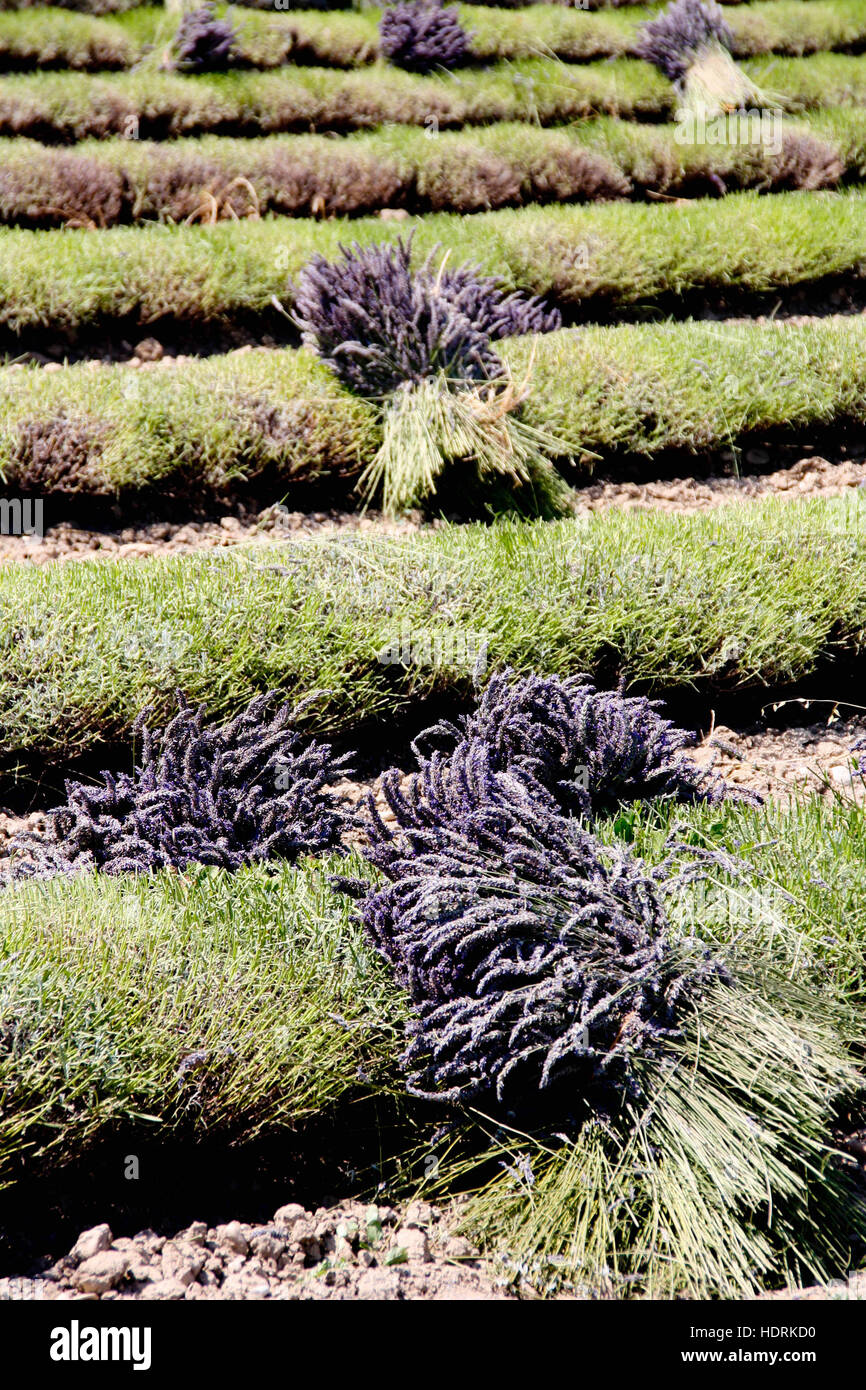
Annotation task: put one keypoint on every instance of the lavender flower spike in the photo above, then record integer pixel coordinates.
(380, 325)
(248, 791)
(557, 743)
(680, 35)
(530, 956)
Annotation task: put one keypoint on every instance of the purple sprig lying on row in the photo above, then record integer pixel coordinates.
(378, 324)
(421, 35)
(245, 792)
(672, 42)
(529, 955)
(203, 42)
(569, 747)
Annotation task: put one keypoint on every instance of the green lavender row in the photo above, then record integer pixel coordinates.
(280, 418)
(145, 104)
(56, 38)
(605, 256)
(752, 596)
(105, 183)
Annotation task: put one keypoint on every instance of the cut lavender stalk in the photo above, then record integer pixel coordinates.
(248, 791)
(679, 37)
(558, 742)
(691, 44)
(530, 955)
(379, 325)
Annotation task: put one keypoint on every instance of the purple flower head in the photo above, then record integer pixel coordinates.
(378, 324)
(673, 41)
(530, 955)
(556, 742)
(203, 42)
(245, 792)
(421, 35)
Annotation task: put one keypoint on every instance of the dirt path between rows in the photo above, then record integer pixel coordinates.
(810, 476)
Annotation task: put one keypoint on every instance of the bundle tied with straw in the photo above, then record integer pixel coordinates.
(656, 1109)
(691, 44)
(420, 344)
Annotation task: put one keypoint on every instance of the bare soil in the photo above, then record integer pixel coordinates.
(810, 476)
(346, 1251)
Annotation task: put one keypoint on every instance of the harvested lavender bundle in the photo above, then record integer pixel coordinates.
(203, 42)
(380, 325)
(529, 955)
(590, 749)
(558, 741)
(691, 44)
(421, 35)
(420, 344)
(245, 792)
(675, 40)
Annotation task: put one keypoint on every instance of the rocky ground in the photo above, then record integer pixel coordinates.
(344, 1252)
(809, 476)
(349, 1251)
(790, 763)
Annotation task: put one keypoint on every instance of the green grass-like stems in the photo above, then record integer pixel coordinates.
(200, 1003)
(615, 255)
(277, 419)
(426, 427)
(740, 597)
(70, 106)
(54, 38)
(722, 1182)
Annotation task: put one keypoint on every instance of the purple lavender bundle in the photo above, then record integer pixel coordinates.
(558, 742)
(530, 955)
(203, 42)
(691, 44)
(590, 749)
(681, 35)
(244, 792)
(379, 325)
(421, 35)
(420, 344)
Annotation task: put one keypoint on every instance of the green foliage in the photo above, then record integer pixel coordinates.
(201, 1002)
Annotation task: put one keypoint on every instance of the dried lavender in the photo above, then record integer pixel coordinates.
(590, 749)
(560, 743)
(203, 42)
(530, 955)
(691, 44)
(378, 324)
(687, 28)
(245, 792)
(421, 35)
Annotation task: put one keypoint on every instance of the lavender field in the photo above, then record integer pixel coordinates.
(433, 614)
